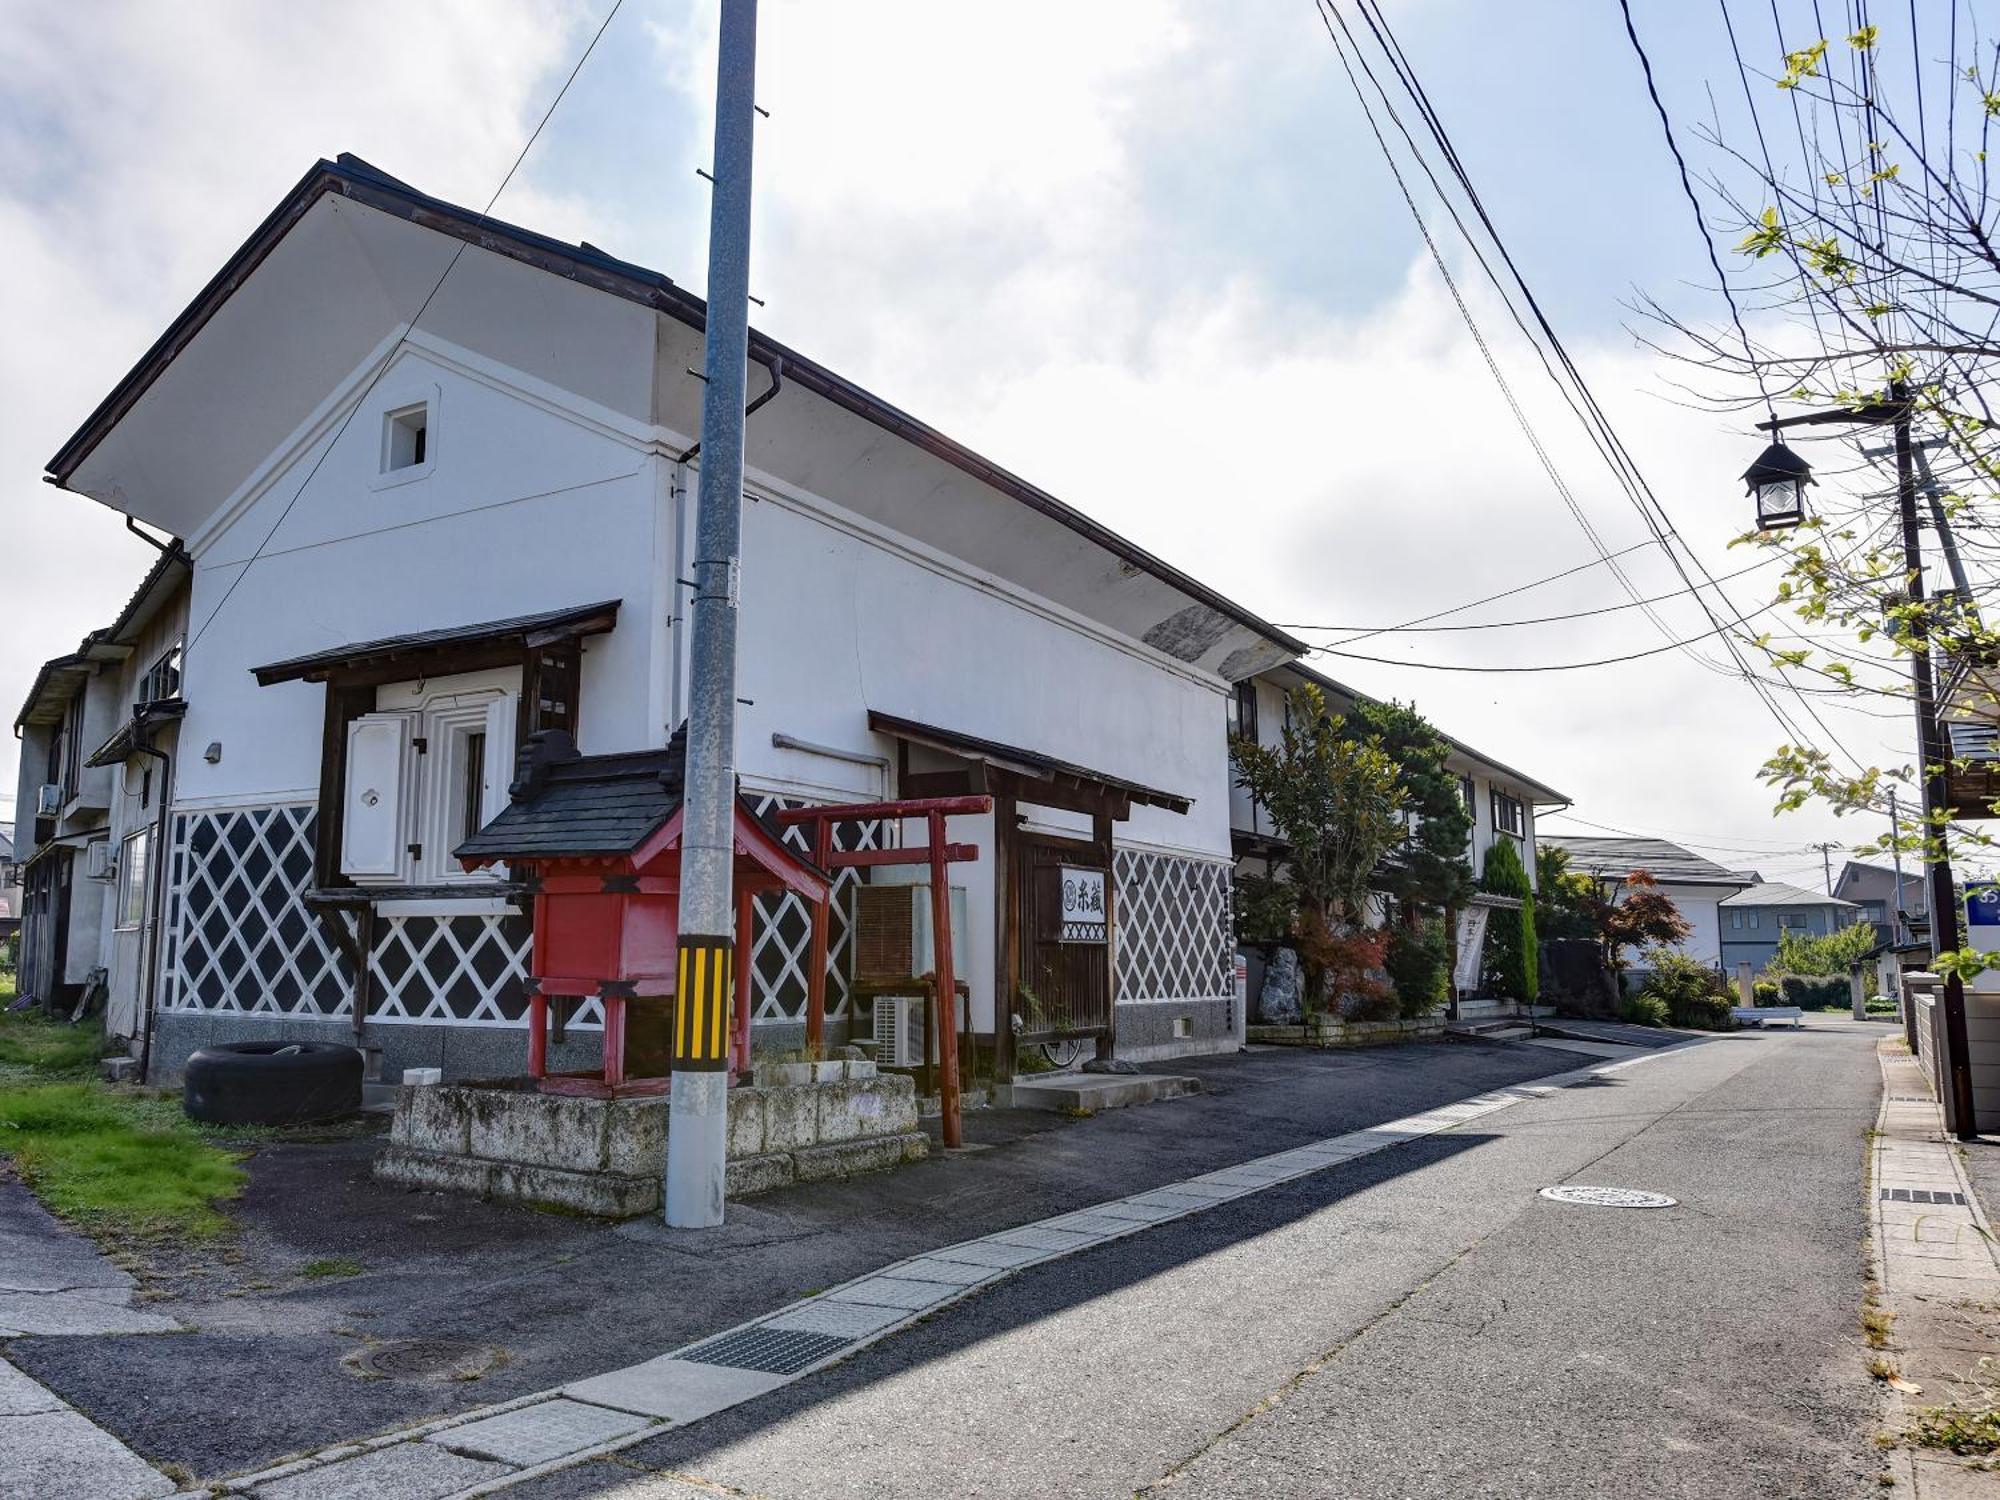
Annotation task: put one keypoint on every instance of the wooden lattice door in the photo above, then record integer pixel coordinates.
(1065, 935)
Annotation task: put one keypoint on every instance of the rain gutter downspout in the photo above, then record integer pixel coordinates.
(156, 893)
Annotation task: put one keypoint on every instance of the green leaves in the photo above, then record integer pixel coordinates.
(1800, 66)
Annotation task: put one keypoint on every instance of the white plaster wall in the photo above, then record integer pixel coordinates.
(1699, 904)
(523, 510)
(838, 620)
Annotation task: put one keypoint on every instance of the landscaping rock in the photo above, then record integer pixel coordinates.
(1278, 1003)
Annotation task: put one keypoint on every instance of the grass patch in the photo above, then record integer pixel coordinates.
(1963, 1430)
(326, 1270)
(32, 1043)
(1875, 1324)
(121, 1162)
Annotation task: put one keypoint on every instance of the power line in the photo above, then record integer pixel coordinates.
(1567, 666)
(1597, 424)
(401, 338)
(1580, 614)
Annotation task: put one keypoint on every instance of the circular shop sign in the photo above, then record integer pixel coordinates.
(1606, 1197)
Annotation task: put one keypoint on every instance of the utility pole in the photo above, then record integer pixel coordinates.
(698, 1106)
(1932, 755)
(1826, 862)
(1898, 930)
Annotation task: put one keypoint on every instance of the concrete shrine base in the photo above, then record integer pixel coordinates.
(506, 1140)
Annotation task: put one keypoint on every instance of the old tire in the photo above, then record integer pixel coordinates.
(271, 1083)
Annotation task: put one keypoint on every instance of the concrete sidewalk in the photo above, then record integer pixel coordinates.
(1939, 1275)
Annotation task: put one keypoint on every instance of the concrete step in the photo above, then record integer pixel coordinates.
(1087, 1093)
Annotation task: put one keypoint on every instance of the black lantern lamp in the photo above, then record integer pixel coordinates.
(1778, 480)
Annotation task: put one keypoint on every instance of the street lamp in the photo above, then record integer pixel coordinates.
(1778, 479)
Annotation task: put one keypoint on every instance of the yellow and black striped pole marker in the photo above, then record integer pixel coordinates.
(701, 1004)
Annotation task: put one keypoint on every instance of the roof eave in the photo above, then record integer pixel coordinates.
(357, 180)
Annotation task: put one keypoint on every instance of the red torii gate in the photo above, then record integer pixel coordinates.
(936, 853)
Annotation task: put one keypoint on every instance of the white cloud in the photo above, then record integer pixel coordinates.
(1001, 218)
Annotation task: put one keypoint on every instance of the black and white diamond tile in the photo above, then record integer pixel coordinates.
(781, 946)
(1173, 927)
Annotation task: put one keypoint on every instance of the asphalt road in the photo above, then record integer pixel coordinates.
(567, 1299)
(1418, 1323)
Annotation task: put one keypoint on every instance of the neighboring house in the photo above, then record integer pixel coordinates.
(413, 547)
(10, 889)
(1696, 886)
(97, 734)
(1874, 889)
(1501, 800)
(1754, 919)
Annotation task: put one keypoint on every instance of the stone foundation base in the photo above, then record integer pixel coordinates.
(1331, 1031)
(508, 1141)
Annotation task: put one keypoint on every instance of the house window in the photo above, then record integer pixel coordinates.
(429, 766)
(1465, 790)
(406, 437)
(163, 677)
(1509, 814)
(1795, 920)
(1736, 921)
(1756, 920)
(1243, 712)
(133, 870)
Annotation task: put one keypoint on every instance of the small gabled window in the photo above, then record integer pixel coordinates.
(406, 438)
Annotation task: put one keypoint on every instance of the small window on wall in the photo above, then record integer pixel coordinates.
(406, 438)
(1509, 814)
(1243, 711)
(1736, 921)
(133, 869)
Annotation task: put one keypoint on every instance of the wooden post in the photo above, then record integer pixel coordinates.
(816, 963)
(1100, 829)
(1006, 934)
(538, 1034)
(614, 1038)
(746, 913)
(947, 986)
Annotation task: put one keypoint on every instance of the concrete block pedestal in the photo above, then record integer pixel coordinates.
(504, 1139)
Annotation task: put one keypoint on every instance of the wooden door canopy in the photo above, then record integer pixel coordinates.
(1028, 775)
(597, 840)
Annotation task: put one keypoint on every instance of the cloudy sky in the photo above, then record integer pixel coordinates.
(1142, 252)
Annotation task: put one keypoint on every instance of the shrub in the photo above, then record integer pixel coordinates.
(1692, 993)
(1767, 992)
(1644, 1010)
(1511, 967)
(1814, 991)
(1419, 967)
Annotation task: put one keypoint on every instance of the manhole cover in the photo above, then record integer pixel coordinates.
(425, 1359)
(1606, 1197)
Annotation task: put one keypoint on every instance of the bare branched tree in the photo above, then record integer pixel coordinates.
(1867, 274)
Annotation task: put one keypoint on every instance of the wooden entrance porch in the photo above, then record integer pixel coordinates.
(1055, 896)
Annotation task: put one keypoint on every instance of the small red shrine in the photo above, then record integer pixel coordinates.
(597, 839)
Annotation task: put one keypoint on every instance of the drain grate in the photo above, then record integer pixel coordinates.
(1606, 1197)
(1922, 1195)
(426, 1359)
(775, 1351)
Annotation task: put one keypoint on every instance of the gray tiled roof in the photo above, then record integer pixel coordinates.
(1615, 858)
(1777, 893)
(587, 804)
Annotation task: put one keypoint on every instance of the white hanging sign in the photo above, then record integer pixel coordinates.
(1082, 905)
(1471, 946)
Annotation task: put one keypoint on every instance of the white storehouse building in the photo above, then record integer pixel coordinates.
(414, 541)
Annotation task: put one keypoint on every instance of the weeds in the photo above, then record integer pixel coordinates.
(1875, 1324)
(49, 1049)
(115, 1161)
(325, 1270)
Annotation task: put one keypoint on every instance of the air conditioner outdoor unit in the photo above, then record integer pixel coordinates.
(48, 799)
(97, 860)
(899, 1031)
